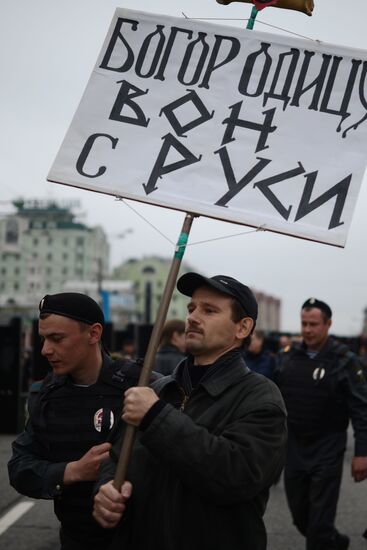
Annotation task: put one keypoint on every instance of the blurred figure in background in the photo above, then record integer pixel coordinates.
(27, 368)
(128, 349)
(258, 358)
(284, 341)
(323, 386)
(362, 352)
(172, 347)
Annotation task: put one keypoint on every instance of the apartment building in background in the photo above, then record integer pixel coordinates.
(42, 246)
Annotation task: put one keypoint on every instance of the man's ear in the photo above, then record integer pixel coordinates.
(245, 327)
(95, 333)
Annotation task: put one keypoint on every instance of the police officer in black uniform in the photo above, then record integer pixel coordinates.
(71, 414)
(323, 386)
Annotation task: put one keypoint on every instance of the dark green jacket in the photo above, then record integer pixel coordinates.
(201, 477)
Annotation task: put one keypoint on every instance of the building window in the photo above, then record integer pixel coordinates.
(11, 232)
(35, 241)
(66, 241)
(148, 269)
(16, 270)
(50, 240)
(79, 241)
(65, 256)
(64, 270)
(16, 286)
(49, 256)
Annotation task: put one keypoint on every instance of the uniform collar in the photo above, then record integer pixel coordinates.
(330, 345)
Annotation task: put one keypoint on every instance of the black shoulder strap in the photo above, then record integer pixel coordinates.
(126, 372)
(359, 371)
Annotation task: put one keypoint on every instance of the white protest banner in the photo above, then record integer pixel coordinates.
(238, 125)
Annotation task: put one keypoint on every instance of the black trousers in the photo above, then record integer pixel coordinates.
(71, 541)
(312, 478)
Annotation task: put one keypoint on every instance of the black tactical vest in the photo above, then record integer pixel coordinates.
(311, 394)
(68, 420)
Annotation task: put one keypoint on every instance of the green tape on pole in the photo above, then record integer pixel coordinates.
(251, 21)
(181, 245)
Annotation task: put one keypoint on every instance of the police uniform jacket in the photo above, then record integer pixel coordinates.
(323, 393)
(65, 421)
(202, 468)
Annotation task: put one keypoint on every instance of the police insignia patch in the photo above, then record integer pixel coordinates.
(318, 374)
(98, 418)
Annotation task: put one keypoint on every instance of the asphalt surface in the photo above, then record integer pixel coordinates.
(37, 529)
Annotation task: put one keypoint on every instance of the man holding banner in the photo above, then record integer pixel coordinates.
(211, 437)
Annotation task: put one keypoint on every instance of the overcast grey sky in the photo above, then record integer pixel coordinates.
(48, 50)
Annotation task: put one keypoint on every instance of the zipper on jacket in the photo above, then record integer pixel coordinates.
(184, 399)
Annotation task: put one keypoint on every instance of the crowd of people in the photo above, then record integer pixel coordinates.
(222, 417)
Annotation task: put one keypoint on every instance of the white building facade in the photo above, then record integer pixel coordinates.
(41, 247)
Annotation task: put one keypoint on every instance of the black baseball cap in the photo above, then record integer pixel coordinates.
(74, 305)
(189, 282)
(319, 304)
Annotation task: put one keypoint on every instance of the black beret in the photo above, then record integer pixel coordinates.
(314, 302)
(189, 282)
(73, 305)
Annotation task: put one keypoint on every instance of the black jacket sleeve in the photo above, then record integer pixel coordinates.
(356, 391)
(30, 474)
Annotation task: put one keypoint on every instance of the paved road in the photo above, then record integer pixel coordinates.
(37, 528)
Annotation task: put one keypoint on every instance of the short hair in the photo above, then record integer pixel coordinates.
(83, 326)
(170, 327)
(239, 313)
(324, 315)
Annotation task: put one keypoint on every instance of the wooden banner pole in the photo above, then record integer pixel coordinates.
(149, 359)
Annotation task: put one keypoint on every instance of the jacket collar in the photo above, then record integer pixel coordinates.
(331, 345)
(228, 370)
(105, 374)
